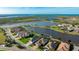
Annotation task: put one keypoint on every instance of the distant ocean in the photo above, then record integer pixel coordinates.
(48, 16)
(7, 15)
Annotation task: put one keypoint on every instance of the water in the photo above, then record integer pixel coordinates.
(55, 34)
(41, 16)
(42, 23)
(5, 15)
(29, 23)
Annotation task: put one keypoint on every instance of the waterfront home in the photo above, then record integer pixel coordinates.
(70, 28)
(63, 47)
(52, 45)
(35, 39)
(42, 42)
(62, 26)
(66, 27)
(39, 42)
(48, 46)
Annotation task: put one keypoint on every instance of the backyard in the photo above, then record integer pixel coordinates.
(25, 40)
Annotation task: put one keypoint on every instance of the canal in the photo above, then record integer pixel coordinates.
(55, 34)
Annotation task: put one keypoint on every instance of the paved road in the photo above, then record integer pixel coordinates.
(14, 48)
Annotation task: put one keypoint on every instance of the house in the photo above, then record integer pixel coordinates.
(66, 27)
(35, 39)
(39, 41)
(19, 32)
(63, 47)
(48, 46)
(42, 42)
(22, 34)
(52, 45)
(76, 30)
(70, 28)
(62, 26)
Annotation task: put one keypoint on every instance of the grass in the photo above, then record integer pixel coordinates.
(56, 28)
(18, 19)
(58, 21)
(2, 37)
(30, 46)
(24, 40)
(2, 50)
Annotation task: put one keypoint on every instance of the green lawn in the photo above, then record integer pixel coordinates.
(25, 40)
(56, 28)
(58, 21)
(2, 37)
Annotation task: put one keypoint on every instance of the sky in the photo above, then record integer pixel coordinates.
(39, 10)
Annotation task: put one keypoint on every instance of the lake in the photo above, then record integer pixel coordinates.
(55, 34)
